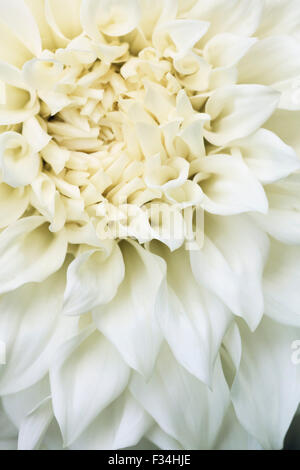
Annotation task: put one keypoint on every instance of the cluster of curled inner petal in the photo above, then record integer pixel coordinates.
(120, 122)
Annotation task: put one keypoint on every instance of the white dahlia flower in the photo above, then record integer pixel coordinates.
(149, 223)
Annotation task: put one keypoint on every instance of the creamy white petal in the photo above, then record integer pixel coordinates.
(236, 16)
(280, 17)
(18, 105)
(268, 156)
(162, 440)
(268, 374)
(129, 321)
(19, 405)
(8, 432)
(183, 34)
(18, 25)
(281, 280)
(120, 425)
(231, 264)
(13, 203)
(112, 17)
(238, 111)
(226, 49)
(228, 186)
(35, 425)
(289, 132)
(93, 279)
(192, 320)
(233, 436)
(19, 163)
(67, 26)
(282, 220)
(86, 376)
(184, 408)
(264, 62)
(29, 253)
(32, 329)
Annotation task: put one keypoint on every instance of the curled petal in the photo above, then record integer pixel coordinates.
(29, 252)
(19, 163)
(111, 17)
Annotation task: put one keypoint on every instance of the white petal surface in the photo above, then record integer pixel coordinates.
(93, 279)
(238, 111)
(29, 253)
(129, 321)
(266, 390)
(182, 406)
(32, 329)
(268, 156)
(229, 187)
(120, 425)
(281, 281)
(35, 425)
(87, 375)
(192, 320)
(231, 264)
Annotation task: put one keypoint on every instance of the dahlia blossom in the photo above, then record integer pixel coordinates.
(149, 223)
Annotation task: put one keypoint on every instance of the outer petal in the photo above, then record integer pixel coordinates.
(268, 374)
(192, 320)
(8, 432)
(87, 375)
(282, 220)
(225, 50)
(112, 17)
(268, 156)
(236, 16)
(281, 284)
(13, 203)
(229, 187)
(120, 425)
(29, 253)
(19, 163)
(20, 38)
(231, 264)
(129, 320)
(281, 17)
(289, 133)
(264, 62)
(233, 436)
(238, 111)
(32, 329)
(35, 425)
(93, 279)
(183, 407)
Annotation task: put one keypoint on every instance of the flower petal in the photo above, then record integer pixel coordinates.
(29, 253)
(192, 320)
(129, 320)
(35, 425)
(19, 29)
(228, 186)
(281, 281)
(19, 163)
(13, 203)
(120, 425)
(268, 156)
(183, 407)
(93, 279)
(32, 329)
(238, 111)
(267, 371)
(231, 264)
(111, 17)
(87, 375)
(240, 17)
